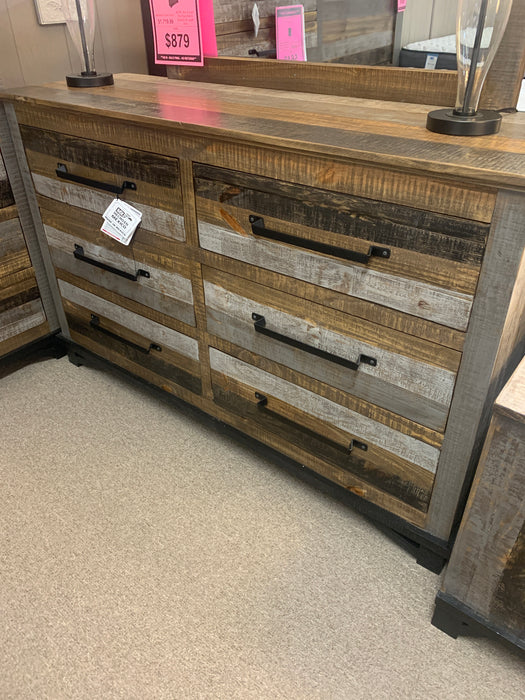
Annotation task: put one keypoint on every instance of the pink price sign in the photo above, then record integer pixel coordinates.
(401, 5)
(290, 35)
(177, 32)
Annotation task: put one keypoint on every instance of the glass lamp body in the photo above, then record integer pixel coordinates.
(80, 20)
(480, 26)
(479, 30)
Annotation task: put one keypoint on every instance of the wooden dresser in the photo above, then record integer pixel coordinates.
(321, 273)
(22, 316)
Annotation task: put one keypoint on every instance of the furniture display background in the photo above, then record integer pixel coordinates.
(327, 278)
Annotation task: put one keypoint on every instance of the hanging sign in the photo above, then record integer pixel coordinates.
(177, 32)
(290, 33)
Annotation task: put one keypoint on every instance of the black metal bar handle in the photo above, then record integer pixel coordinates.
(260, 326)
(95, 324)
(63, 173)
(374, 251)
(262, 402)
(79, 255)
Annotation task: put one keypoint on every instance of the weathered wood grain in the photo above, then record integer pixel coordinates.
(416, 390)
(11, 238)
(389, 141)
(158, 220)
(166, 363)
(20, 340)
(356, 425)
(393, 476)
(333, 394)
(167, 292)
(486, 572)
(451, 340)
(494, 345)
(416, 298)
(8, 213)
(145, 327)
(6, 196)
(20, 319)
(317, 309)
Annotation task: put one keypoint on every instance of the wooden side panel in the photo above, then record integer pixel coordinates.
(486, 572)
(495, 343)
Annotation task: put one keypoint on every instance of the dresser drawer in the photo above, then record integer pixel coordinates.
(356, 446)
(403, 374)
(143, 272)
(80, 172)
(13, 250)
(137, 343)
(419, 263)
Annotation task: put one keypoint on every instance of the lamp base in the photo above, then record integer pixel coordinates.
(445, 121)
(93, 80)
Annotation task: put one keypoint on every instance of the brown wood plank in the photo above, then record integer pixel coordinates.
(369, 140)
(167, 363)
(376, 467)
(7, 213)
(22, 339)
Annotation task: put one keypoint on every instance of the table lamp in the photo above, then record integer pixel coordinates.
(479, 29)
(80, 20)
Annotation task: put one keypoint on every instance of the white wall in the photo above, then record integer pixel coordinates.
(31, 53)
(425, 19)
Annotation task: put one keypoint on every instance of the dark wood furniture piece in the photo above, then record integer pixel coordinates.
(326, 277)
(483, 591)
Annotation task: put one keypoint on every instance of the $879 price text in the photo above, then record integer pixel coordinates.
(177, 41)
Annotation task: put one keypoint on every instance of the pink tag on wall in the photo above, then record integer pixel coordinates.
(177, 32)
(290, 35)
(401, 5)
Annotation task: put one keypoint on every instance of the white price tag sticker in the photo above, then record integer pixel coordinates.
(121, 221)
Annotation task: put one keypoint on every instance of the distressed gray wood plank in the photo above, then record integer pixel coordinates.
(355, 424)
(21, 319)
(167, 292)
(151, 330)
(230, 317)
(153, 219)
(423, 300)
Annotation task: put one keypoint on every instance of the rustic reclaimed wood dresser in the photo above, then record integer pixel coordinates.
(321, 273)
(22, 316)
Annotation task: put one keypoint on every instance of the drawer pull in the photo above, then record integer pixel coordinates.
(79, 255)
(260, 326)
(63, 173)
(373, 252)
(262, 402)
(95, 324)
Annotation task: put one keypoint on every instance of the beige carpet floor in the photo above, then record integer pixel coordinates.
(143, 555)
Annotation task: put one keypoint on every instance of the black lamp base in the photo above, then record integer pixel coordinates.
(89, 80)
(445, 121)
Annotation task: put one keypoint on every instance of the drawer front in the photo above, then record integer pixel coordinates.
(138, 278)
(388, 460)
(79, 172)
(406, 375)
(419, 263)
(131, 340)
(17, 316)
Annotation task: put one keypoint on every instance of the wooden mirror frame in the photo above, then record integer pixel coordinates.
(420, 86)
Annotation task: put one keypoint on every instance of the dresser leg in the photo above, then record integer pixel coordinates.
(430, 560)
(75, 358)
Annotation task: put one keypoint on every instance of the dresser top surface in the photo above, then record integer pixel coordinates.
(387, 133)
